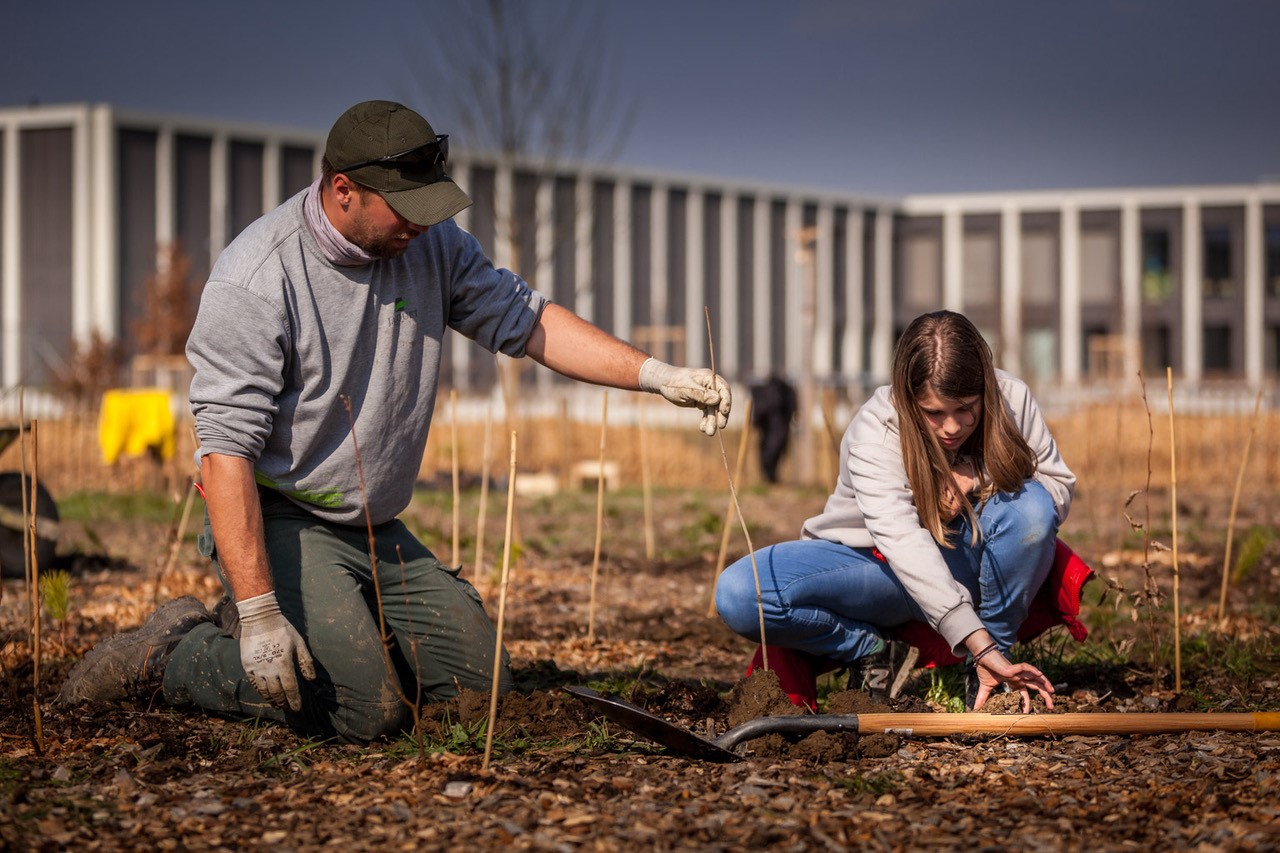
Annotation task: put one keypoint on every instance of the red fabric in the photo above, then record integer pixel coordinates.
(797, 673)
(1057, 603)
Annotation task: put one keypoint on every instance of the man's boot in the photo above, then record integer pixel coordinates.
(131, 664)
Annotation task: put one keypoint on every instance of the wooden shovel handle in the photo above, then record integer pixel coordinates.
(927, 725)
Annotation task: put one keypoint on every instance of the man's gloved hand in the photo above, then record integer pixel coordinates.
(687, 386)
(269, 645)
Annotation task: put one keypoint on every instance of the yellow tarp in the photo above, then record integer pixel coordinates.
(134, 421)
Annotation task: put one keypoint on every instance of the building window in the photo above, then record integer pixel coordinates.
(1217, 349)
(1217, 263)
(1273, 349)
(1157, 282)
(1272, 285)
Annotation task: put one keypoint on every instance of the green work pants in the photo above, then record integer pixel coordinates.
(439, 636)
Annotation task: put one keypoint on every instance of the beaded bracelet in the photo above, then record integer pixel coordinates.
(985, 651)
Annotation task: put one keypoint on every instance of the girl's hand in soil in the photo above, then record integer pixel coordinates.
(995, 669)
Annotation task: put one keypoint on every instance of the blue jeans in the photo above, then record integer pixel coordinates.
(832, 600)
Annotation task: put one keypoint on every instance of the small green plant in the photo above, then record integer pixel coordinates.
(55, 597)
(1251, 550)
(946, 689)
(55, 594)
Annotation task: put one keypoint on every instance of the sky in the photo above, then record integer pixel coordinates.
(881, 97)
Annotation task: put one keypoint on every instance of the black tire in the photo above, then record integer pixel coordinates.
(12, 486)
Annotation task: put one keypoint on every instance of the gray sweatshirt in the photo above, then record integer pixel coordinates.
(284, 338)
(872, 505)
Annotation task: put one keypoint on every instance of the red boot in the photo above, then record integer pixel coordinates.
(797, 673)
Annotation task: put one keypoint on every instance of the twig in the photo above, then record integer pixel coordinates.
(729, 508)
(413, 705)
(1151, 588)
(733, 492)
(177, 538)
(595, 559)
(1235, 503)
(502, 606)
(457, 491)
(1173, 489)
(646, 489)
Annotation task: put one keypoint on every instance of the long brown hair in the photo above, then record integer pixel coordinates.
(944, 352)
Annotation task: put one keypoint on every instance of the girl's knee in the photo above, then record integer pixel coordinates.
(736, 598)
(1031, 511)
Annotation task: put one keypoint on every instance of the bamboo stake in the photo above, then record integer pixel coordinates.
(26, 539)
(1173, 489)
(733, 492)
(457, 490)
(595, 559)
(502, 607)
(35, 587)
(484, 490)
(1235, 503)
(650, 547)
(743, 443)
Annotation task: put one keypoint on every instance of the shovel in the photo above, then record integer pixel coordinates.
(681, 741)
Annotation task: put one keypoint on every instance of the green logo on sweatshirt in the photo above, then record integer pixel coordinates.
(400, 305)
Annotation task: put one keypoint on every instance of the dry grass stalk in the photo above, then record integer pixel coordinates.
(727, 526)
(502, 606)
(1173, 490)
(176, 546)
(1235, 504)
(1151, 590)
(733, 493)
(646, 488)
(457, 490)
(414, 705)
(595, 558)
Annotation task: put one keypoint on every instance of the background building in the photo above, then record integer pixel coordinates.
(1068, 286)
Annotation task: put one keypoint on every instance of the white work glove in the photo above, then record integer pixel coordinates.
(269, 645)
(687, 386)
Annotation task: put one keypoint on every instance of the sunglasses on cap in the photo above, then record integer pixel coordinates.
(426, 156)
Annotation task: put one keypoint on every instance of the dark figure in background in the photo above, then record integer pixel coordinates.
(773, 405)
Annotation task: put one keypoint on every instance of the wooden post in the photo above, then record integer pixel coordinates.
(457, 490)
(650, 547)
(484, 492)
(1173, 488)
(595, 559)
(743, 443)
(502, 607)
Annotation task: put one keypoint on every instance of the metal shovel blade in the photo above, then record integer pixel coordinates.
(685, 742)
(656, 729)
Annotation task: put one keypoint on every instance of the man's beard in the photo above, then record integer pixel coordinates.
(384, 246)
(387, 248)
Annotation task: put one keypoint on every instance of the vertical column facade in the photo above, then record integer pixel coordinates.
(583, 226)
(219, 193)
(622, 249)
(1254, 261)
(1071, 327)
(10, 258)
(695, 319)
(761, 281)
(726, 325)
(953, 259)
(1011, 288)
(1192, 292)
(822, 346)
(1130, 293)
(853, 342)
(882, 331)
(798, 346)
(659, 286)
